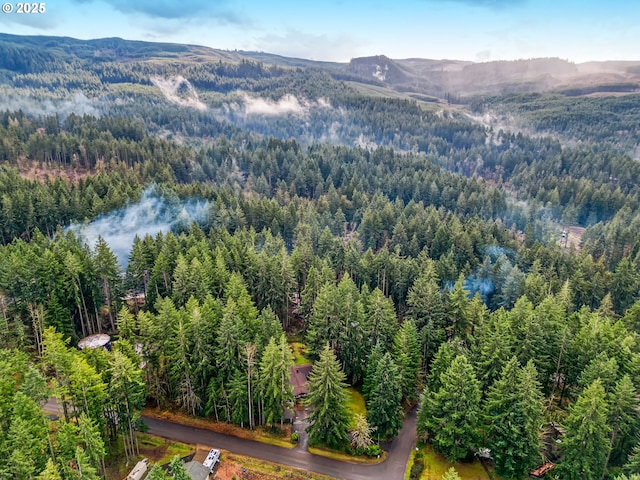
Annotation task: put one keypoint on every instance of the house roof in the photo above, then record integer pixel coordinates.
(298, 379)
(196, 470)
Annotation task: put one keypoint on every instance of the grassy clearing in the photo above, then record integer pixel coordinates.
(156, 449)
(345, 457)
(277, 437)
(299, 353)
(357, 404)
(436, 465)
(231, 466)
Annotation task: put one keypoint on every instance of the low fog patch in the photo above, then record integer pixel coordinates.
(287, 105)
(151, 215)
(35, 106)
(178, 90)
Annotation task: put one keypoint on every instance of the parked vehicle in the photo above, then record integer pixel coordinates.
(212, 458)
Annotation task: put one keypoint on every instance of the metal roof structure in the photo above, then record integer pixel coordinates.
(139, 471)
(95, 341)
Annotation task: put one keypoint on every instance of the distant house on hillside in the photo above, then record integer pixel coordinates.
(298, 379)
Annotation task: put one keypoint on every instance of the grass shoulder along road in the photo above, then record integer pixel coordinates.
(233, 466)
(345, 457)
(279, 438)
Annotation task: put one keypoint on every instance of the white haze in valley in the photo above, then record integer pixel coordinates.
(171, 89)
(150, 215)
(19, 99)
(287, 105)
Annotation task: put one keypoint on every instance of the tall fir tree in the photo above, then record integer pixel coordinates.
(382, 318)
(450, 417)
(384, 407)
(406, 350)
(586, 444)
(275, 370)
(624, 420)
(514, 416)
(328, 398)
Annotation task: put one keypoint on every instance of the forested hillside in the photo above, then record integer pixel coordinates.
(416, 253)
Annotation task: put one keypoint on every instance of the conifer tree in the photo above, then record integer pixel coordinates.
(50, 472)
(83, 469)
(406, 351)
(441, 362)
(178, 472)
(372, 364)
(623, 419)
(586, 443)
(450, 417)
(451, 474)
(632, 464)
(381, 318)
(494, 348)
(324, 322)
(156, 473)
(514, 417)
(384, 407)
(275, 368)
(457, 311)
(329, 419)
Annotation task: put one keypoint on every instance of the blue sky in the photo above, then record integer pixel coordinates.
(478, 30)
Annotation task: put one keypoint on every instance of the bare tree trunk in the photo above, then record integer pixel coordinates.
(250, 352)
(612, 440)
(84, 305)
(107, 294)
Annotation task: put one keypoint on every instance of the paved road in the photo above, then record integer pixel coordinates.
(391, 469)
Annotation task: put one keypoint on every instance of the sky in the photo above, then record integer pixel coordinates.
(338, 30)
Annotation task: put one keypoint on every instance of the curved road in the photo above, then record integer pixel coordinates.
(393, 468)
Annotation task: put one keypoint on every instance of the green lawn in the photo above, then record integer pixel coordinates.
(435, 466)
(356, 402)
(299, 353)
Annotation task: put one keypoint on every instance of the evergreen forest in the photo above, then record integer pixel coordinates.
(487, 277)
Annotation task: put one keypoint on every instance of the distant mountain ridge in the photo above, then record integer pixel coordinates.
(437, 78)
